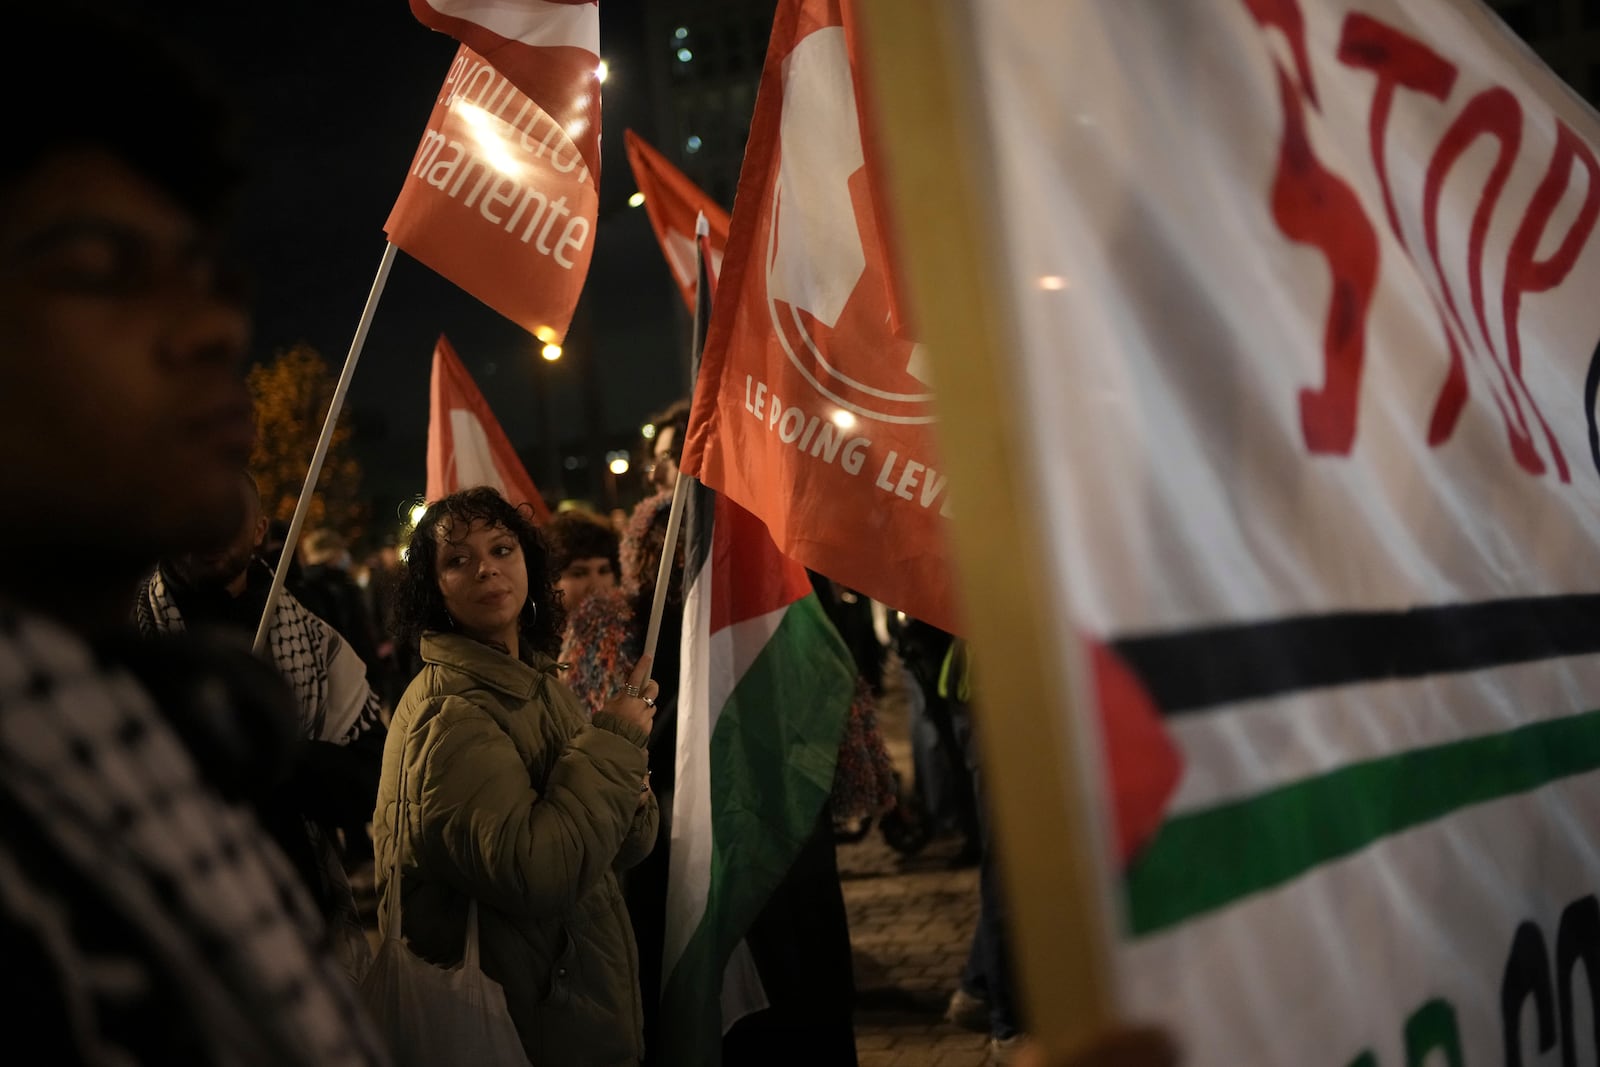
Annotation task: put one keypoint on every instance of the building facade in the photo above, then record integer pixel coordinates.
(704, 63)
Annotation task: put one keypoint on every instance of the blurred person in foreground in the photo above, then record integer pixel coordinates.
(512, 797)
(319, 815)
(145, 918)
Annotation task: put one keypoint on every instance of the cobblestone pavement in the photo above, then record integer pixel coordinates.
(911, 921)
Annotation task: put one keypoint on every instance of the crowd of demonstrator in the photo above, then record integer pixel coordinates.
(179, 816)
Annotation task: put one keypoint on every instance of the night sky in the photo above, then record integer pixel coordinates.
(335, 96)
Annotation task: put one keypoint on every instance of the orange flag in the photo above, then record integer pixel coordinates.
(813, 412)
(500, 200)
(466, 446)
(549, 49)
(809, 411)
(672, 202)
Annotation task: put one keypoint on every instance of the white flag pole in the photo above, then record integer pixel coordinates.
(669, 550)
(292, 539)
(664, 574)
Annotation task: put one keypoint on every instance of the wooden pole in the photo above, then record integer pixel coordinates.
(1039, 751)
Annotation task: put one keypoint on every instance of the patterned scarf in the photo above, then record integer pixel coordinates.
(211, 931)
(328, 678)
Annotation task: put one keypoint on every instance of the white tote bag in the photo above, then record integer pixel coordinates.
(433, 1016)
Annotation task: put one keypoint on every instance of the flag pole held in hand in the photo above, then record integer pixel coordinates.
(320, 453)
(664, 574)
(669, 551)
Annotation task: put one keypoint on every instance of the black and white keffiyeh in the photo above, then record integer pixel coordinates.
(328, 678)
(147, 919)
(336, 705)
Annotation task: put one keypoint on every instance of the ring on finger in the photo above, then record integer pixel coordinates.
(649, 702)
(632, 690)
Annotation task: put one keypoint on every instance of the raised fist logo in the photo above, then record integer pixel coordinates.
(828, 297)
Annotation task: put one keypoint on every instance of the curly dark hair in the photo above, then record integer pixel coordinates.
(581, 534)
(642, 544)
(419, 605)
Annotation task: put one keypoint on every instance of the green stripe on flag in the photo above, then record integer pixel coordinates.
(1204, 860)
(772, 762)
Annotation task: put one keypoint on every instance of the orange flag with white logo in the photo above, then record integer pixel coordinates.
(466, 446)
(500, 200)
(809, 410)
(672, 202)
(812, 412)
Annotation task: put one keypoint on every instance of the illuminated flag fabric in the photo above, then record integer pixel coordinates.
(501, 199)
(466, 446)
(549, 49)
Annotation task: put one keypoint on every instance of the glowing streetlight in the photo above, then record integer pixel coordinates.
(545, 334)
(619, 465)
(636, 199)
(551, 352)
(647, 431)
(603, 71)
(418, 510)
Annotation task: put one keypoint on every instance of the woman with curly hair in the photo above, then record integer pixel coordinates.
(498, 789)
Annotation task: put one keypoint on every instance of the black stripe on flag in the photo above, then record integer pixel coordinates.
(700, 501)
(1205, 668)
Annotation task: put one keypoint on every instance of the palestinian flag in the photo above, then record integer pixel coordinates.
(765, 687)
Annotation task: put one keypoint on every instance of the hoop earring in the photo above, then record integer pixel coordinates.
(450, 619)
(533, 610)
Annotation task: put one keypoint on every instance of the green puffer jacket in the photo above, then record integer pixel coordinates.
(513, 797)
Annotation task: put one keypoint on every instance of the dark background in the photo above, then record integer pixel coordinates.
(335, 96)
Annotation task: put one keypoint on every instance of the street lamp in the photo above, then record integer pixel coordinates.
(551, 352)
(616, 464)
